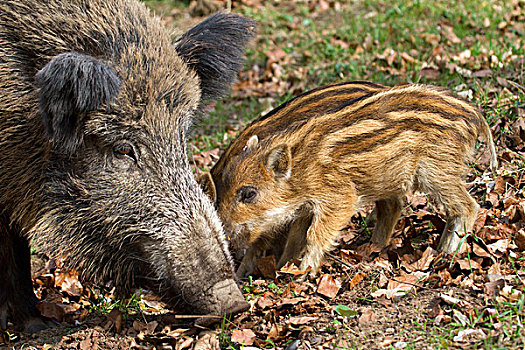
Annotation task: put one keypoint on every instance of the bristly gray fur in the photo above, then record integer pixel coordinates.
(95, 102)
(71, 85)
(214, 49)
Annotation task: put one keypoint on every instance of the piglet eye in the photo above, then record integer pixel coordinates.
(247, 194)
(125, 150)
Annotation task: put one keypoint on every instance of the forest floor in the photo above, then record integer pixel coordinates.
(404, 296)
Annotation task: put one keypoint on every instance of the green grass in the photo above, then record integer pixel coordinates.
(320, 50)
(103, 304)
(502, 325)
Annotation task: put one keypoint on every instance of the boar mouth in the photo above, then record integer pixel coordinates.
(184, 289)
(221, 299)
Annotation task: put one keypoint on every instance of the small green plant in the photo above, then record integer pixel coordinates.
(104, 304)
(346, 313)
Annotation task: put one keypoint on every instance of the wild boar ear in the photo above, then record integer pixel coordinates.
(71, 85)
(279, 159)
(252, 143)
(214, 49)
(208, 186)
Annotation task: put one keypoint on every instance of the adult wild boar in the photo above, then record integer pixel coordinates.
(95, 104)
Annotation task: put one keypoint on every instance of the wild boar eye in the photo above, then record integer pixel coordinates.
(247, 194)
(125, 150)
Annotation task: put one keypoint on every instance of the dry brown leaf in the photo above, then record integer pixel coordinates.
(291, 301)
(275, 56)
(389, 55)
(519, 240)
(266, 267)
(499, 247)
(470, 335)
(449, 33)
(453, 301)
(328, 286)
(468, 264)
(68, 282)
(387, 341)
(151, 326)
(184, 343)
(407, 57)
(406, 282)
(430, 73)
(208, 340)
(401, 285)
(436, 311)
(432, 39)
(300, 320)
(491, 289)
(206, 159)
(482, 73)
(424, 263)
(91, 341)
(367, 317)
(291, 269)
(480, 219)
(368, 249)
(55, 311)
(510, 293)
(356, 280)
(114, 319)
(243, 336)
(277, 332)
(265, 301)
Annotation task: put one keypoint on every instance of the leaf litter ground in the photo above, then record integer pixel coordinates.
(406, 295)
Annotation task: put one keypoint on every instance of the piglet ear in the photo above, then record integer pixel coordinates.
(251, 144)
(71, 85)
(214, 49)
(208, 186)
(279, 160)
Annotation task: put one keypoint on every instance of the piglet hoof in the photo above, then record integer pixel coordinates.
(450, 243)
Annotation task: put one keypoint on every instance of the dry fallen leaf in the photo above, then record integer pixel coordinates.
(277, 332)
(368, 316)
(91, 341)
(208, 340)
(291, 301)
(453, 301)
(55, 311)
(424, 263)
(328, 286)
(519, 240)
(291, 269)
(266, 267)
(243, 336)
(468, 264)
(300, 320)
(265, 300)
(356, 280)
(114, 319)
(470, 335)
(491, 289)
